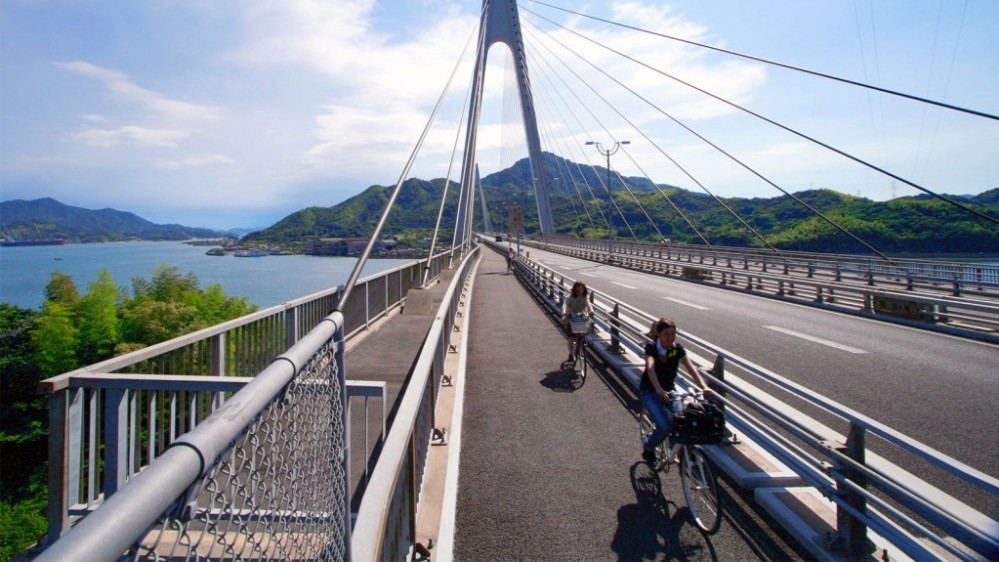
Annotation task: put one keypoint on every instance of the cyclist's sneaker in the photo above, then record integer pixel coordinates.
(649, 456)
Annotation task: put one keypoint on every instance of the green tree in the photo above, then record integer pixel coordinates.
(213, 306)
(61, 289)
(54, 339)
(22, 435)
(97, 311)
(23, 522)
(148, 321)
(22, 410)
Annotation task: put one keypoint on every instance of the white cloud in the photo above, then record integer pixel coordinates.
(105, 138)
(196, 162)
(302, 102)
(119, 86)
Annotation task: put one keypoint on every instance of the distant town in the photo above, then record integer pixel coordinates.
(386, 248)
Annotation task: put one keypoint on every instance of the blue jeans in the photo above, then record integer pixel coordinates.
(661, 416)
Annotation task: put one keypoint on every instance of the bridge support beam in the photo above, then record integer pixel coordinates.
(500, 23)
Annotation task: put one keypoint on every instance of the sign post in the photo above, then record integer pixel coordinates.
(516, 224)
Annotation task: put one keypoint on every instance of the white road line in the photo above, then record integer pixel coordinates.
(623, 285)
(815, 339)
(588, 274)
(685, 303)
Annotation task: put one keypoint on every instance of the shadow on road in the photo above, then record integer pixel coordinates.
(562, 380)
(647, 531)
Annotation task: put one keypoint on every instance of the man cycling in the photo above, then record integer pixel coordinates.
(662, 361)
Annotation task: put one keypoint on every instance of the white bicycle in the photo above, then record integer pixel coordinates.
(700, 486)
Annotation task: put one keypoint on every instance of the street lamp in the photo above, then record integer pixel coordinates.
(610, 222)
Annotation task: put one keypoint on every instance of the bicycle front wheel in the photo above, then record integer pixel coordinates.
(700, 489)
(580, 366)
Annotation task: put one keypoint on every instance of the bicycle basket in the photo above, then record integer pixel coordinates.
(700, 423)
(579, 324)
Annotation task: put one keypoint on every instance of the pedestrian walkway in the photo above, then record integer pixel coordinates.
(551, 469)
(387, 353)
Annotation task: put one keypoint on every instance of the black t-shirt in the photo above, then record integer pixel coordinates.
(666, 365)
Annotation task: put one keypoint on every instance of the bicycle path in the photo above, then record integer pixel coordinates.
(551, 470)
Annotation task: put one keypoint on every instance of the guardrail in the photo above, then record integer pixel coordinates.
(262, 477)
(385, 528)
(869, 491)
(967, 303)
(904, 273)
(109, 421)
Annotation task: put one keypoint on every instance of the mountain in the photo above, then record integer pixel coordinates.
(48, 218)
(918, 224)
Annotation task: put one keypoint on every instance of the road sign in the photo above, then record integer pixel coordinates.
(516, 220)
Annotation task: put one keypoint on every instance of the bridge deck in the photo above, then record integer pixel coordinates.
(551, 470)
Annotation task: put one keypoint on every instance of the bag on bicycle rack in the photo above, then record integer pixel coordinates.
(700, 423)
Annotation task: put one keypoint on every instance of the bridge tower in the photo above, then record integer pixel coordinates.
(501, 24)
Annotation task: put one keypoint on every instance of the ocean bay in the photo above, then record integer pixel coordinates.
(265, 281)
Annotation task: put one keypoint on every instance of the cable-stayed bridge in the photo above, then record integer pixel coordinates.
(422, 412)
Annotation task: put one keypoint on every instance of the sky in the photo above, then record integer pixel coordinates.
(237, 113)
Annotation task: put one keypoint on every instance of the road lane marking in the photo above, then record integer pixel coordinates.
(588, 274)
(815, 339)
(623, 285)
(685, 303)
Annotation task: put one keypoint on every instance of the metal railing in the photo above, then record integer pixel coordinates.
(262, 477)
(904, 273)
(960, 298)
(385, 528)
(110, 421)
(869, 491)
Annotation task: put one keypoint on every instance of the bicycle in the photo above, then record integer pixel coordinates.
(579, 325)
(700, 486)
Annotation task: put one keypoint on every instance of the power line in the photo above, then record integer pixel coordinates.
(774, 63)
(772, 122)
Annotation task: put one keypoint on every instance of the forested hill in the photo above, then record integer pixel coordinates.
(47, 218)
(919, 224)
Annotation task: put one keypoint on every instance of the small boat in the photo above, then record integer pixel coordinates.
(250, 254)
(215, 252)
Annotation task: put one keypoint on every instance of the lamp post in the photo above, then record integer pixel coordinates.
(610, 222)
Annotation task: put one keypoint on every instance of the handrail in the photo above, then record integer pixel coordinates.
(89, 460)
(124, 518)
(847, 461)
(123, 361)
(386, 518)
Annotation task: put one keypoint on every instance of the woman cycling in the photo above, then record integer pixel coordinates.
(577, 302)
(662, 361)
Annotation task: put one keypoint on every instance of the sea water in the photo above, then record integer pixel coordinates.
(265, 281)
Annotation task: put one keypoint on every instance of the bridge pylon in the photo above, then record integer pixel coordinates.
(500, 23)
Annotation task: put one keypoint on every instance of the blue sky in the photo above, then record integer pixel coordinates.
(236, 113)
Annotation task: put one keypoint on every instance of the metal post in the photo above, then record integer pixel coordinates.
(217, 344)
(115, 445)
(851, 533)
(65, 419)
(615, 344)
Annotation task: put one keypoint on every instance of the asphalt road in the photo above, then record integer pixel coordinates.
(551, 469)
(938, 389)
